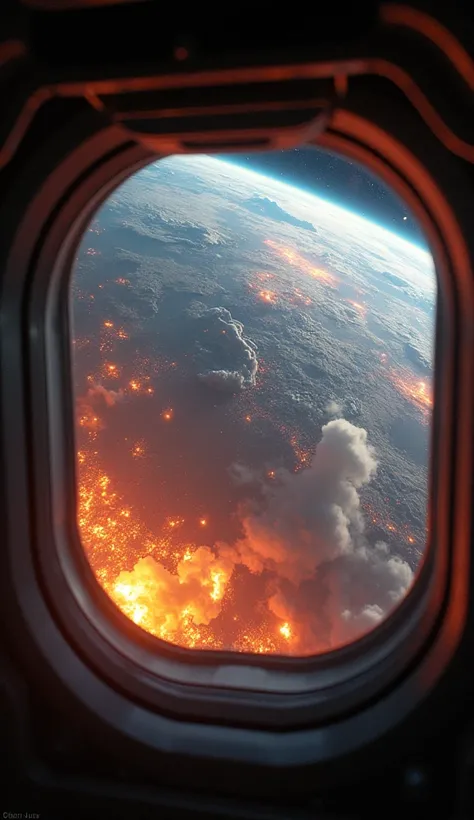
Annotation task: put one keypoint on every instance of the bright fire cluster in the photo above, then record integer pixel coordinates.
(402, 532)
(171, 589)
(298, 261)
(268, 296)
(416, 390)
(359, 307)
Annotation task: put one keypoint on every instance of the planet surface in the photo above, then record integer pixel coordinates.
(253, 376)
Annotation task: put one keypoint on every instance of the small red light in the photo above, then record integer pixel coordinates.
(181, 53)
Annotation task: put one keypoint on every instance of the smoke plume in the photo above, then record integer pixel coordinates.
(226, 359)
(305, 538)
(111, 397)
(333, 409)
(309, 534)
(227, 380)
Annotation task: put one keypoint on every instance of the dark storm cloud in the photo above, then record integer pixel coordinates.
(226, 359)
(309, 532)
(263, 206)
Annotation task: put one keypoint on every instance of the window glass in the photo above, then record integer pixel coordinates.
(253, 354)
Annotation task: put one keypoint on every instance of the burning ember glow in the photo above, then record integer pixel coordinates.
(268, 296)
(299, 261)
(89, 420)
(138, 450)
(168, 414)
(285, 630)
(172, 523)
(112, 370)
(302, 455)
(299, 298)
(171, 589)
(415, 390)
(402, 532)
(359, 307)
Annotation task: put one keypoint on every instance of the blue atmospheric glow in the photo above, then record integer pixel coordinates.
(423, 247)
(257, 175)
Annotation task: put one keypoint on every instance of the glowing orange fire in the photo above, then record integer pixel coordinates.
(299, 261)
(268, 296)
(359, 307)
(415, 390)
(138, 449)
(285, 630)
(171, 589)
(90, 420)
(303, 455)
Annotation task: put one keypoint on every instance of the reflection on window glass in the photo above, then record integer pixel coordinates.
(253, 351)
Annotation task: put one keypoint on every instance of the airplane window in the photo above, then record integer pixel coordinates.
(253, 371)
